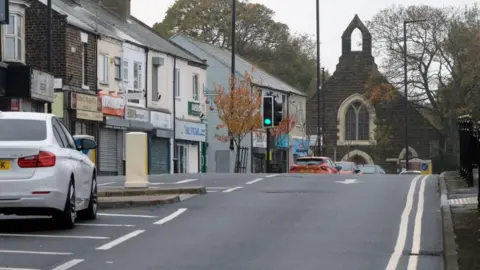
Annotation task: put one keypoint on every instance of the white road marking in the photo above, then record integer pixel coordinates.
(185, 181)
(254, 181)
(271, 175)
(347, 181)
(120, 240)
(417, 229)
(232, 189)
(171, 216)
(54, 236)
(106, 184)
(184, 197)
(125, 215)
(10, 268)
(157, 183)
(217, 187)
(104, 225)
(210, 191)
(402, 233)
(34, 252)
(68, 264)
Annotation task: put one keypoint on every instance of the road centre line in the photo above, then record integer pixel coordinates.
(271, 175)
(35, 252)
(106, 184)
(417, 229)
(54, 236)
(185, 181)
(402, 233)
(68, 264)
(125, 215)
(254, 181)
(171, 216)
(104, 225)
(120, 240)
(10, 268)
(232, 189)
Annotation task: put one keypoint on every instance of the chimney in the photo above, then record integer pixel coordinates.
(121, 8)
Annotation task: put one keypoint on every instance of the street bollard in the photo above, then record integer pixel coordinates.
(136, 159)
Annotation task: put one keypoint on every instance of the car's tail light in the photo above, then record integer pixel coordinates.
(293, 168)
(43, 159)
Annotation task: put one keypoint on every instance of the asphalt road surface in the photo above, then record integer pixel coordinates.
(249, 222)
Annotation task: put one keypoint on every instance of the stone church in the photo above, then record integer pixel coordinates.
(352, 122)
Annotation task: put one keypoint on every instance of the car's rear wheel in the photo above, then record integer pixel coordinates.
(91, 212)
(66, 219)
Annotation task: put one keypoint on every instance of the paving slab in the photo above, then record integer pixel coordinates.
(131, 201)
(163, 190)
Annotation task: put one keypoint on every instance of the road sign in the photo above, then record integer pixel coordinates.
(424, 166)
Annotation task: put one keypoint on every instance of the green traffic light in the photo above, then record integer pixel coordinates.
(267, 121)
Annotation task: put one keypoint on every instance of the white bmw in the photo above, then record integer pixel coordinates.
(43, 171)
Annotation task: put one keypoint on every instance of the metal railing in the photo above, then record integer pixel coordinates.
(469, 144)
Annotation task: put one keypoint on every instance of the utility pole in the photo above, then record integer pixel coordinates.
(232, 67)
(319, 129)
(405, 82)
(323, 114)
(49, 46)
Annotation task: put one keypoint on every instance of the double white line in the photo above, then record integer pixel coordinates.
(417, 230)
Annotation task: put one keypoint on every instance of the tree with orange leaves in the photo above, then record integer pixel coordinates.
(378, 90)
(238, 109)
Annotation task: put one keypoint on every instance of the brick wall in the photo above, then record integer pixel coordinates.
(36, 35)
(74, 58)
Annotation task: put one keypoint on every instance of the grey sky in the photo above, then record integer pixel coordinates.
(300, 16)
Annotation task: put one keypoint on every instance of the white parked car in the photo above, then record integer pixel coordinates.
(43, 171)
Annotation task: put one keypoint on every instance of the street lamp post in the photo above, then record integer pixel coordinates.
(232, 67)
(319, 129)
(49, 46)
(406, 86)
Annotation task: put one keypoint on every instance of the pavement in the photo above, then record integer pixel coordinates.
(248, 222)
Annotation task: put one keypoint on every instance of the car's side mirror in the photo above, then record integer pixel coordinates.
(338, 168)
(86, 144)
(357, 170)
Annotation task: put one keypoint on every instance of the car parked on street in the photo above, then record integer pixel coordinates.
(323, 165)
(371, 169)
(43, 171)
(348, 167)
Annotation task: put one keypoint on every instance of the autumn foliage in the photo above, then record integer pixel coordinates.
(238, 108)
(379, 90)
(287, 124)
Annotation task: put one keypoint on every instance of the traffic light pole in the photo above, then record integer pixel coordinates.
(267, 162)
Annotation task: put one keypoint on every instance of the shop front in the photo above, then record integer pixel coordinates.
(27, 89)
(112, 133)
(188, 136)
(160, 141)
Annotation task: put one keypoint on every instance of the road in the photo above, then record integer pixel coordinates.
(252, 222)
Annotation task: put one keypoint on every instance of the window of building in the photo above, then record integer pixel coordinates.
(13, 41)
(357, 123)
(118, 68)
(195, 87)
(155, 94)
(177, 82)
(137, 75)
(103, 63)
(125, 70)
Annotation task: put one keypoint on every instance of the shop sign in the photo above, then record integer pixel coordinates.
(92, 116)
(194, 108)
(85, 102)
(259, 139)
(161, 120)
(41, 86)
(190, 131)
(112, 104)
(136, 114)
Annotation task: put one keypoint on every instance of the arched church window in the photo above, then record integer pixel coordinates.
(357, 122)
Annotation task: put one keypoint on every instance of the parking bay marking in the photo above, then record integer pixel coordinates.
(68, 264)
(105, 225)
(55, 236)
(120, 240)
(171, 216)
(35, 252)
(125, 215)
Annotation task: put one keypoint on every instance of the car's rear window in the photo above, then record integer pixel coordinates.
(345, 166)
(22, 130)
(368, 169)
(310, 161)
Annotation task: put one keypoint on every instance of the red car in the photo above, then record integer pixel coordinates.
(322, 165)
(348, 167)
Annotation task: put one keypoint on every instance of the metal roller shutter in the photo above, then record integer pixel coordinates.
(108, 150)
(159, 153)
